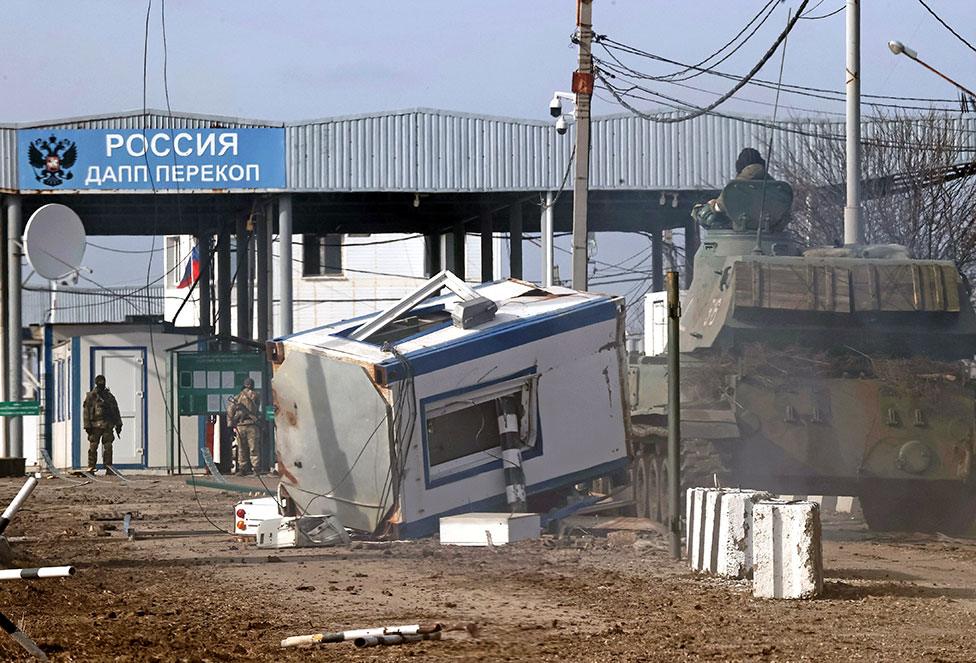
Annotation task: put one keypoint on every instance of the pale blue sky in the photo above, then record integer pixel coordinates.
(302, 59)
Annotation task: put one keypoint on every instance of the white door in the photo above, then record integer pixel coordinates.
(124, 371)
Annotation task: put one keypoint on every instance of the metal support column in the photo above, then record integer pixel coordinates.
(284, 265)
(432, 254)
(674, 417)
(548, 255)
(223, 282)
(15, 377)
(691, 248)
(515, 240)
(457, 261)
(223, 328)
(262, 275)
(243, 279)
(203, 283)
(487, 247)
(657, 262)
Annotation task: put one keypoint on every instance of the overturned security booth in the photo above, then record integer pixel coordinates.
(501, 393)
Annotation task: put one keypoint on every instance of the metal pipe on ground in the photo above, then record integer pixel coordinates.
(395, 639)
(22, 638)
(342, 636)
(42, 572)
(18, 501)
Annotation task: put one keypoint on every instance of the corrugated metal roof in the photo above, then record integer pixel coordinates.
(82, 305)
(425, 150)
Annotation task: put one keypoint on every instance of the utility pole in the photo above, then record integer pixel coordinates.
(853, 230)
(583, 88)
(674, 416)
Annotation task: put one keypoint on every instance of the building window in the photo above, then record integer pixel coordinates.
(322, 255)
(172, 260)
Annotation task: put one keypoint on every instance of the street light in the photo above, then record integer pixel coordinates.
(899, 48)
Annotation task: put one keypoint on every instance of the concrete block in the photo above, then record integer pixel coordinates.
(703, 528)
(735, 536)
(787, 550)
(489, 529)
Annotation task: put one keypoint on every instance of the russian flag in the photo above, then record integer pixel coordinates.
(192, 271)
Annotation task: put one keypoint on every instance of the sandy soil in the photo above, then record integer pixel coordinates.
(184, 591)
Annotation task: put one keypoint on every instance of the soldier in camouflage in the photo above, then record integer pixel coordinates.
(101, 416)
(246, 421)
(748, 166)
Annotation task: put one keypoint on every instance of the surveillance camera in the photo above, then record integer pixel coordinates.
(555, 107)
(562, 126)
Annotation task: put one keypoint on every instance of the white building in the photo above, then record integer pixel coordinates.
(334, 277)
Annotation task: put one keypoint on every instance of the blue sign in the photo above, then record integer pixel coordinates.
(151, 159)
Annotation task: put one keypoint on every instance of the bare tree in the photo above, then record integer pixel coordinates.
(915, 190)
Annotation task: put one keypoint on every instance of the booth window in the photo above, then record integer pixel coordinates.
(322, 255)
(463, 429)
(173, 260)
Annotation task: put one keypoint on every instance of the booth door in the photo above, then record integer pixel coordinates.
(125, 376)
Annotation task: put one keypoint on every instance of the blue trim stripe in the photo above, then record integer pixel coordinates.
(500, 338)
(430, 524)
(49, 404)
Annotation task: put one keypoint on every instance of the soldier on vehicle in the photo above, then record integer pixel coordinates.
(101, 416)
(245, 418)
(748, 166)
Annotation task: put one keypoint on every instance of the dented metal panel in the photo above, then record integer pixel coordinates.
(332, 439)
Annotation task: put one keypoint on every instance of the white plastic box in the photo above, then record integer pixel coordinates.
(248, 514)
(482, 529)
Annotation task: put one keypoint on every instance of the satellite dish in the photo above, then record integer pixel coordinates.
(54, 241)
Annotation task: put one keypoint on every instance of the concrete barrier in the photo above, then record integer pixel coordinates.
(830, 503)
(735, 535)
(702, 528)
(787, 550)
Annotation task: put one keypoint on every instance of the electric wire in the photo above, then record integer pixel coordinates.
(167, 405)
(698, 68)
(608, 43)
(947, 26)
(742, 83)
(827, 15)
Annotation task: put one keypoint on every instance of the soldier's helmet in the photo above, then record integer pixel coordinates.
(249, 383)
(99, 380)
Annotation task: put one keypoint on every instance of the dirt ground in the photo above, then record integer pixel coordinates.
(184, 591)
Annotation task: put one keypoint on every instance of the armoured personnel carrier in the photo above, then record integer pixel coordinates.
(836, 371)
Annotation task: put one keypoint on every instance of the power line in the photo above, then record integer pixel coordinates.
(742, 83)
(827, 15)
(619, 95)
(947, 26)
(116, 250)
(698, 72)
(623, 70)
(609, 43)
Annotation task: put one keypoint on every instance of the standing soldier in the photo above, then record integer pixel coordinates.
(246, 421)
(100, 417)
